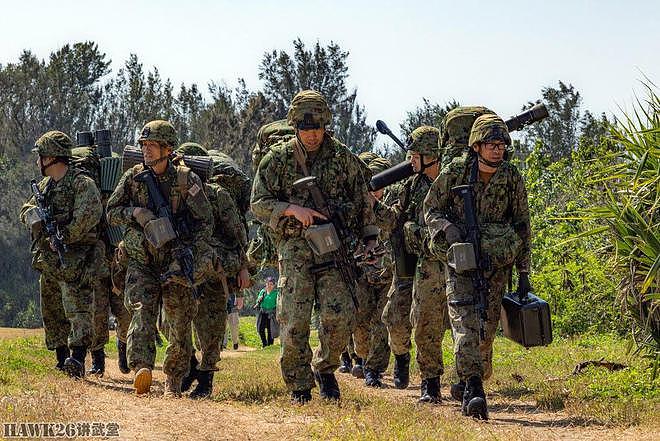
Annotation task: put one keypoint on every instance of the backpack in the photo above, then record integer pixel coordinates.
(269, 135)
(455, 130)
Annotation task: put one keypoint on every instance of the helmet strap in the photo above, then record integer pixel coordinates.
(424, 166)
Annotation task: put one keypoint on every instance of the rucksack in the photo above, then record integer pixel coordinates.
(455, 130)
(269, 135)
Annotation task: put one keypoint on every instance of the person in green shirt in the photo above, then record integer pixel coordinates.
(267, 304)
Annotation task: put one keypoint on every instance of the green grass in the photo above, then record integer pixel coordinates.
(540, 377)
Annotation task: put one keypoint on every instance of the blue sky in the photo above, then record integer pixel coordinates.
(499, 54)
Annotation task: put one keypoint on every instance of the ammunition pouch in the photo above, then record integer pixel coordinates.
(322, 239)
(159, 232)
(461, 258)
(33, 221)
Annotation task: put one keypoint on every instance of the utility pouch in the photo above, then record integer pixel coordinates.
(159, 231)
(460, 257)
(33, 221)
(322, 239)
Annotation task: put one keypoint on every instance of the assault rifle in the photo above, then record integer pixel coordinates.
(474, 260)
(53, 232)
(343, 260)
(182, 253)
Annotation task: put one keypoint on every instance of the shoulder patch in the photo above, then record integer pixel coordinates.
(192, 191)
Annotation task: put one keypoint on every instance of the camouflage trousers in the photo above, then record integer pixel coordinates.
(396, 315)
(299, 290)
(142, 296)
(105, 302)
(474, 357)
(66, 309)
(370, 333)
(210, 324)
(429, 309)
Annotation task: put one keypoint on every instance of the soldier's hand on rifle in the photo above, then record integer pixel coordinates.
(244, 279)
(524, 286)
(304, 215)
(452, 234)
(143, 215)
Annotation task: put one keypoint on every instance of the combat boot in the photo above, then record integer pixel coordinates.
(98, 363)
(474, 399)
(328, 387)
(62, 353)
(372, 378)
(301, 396)
(358, 369)
(457, 390)
(172, 387)
(430, 391)
(122, 361)
(193, 373)
(401, 370)
(74, 366)
(346, 363)
(142, 381)
(204, 386)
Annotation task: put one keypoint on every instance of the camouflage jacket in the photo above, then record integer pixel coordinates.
(502, 210)
(75, 204)
(406, 208)
(193, 204)
(340, 178)
(229, 238)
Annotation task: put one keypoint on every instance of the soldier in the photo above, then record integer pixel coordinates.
(370, 333)
(73, 199)
(503, 216)
(229, 242)
(407, 210)
(106, 301)
(429, 300)
(153, 272)
(304, 275)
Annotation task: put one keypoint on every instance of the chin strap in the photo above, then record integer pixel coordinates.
(489, 163)
(425, 166)
(43, 168)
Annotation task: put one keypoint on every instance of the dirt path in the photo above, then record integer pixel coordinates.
(111, 399)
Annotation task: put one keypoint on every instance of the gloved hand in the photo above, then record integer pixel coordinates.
(143, 215)
(524, 286)
(452, 234)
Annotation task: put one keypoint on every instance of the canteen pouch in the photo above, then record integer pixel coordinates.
(322, 239)
(159, 231)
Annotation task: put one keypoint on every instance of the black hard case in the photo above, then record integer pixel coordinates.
(526, 321)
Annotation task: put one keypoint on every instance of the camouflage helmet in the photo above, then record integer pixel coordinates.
(488, 128)
(159, 131)
(308, 110)
(424, 140)
(378, 165)
(54, 143)
(367, 157)
(192, 149)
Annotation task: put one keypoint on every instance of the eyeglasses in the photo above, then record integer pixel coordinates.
(491, 146)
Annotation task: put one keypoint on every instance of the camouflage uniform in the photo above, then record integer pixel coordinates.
(261, 251)
(105, 300)
(503, 216)
(66, 293)
(228, 242)
(144, 289)
(370, 333)
(341, 180)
